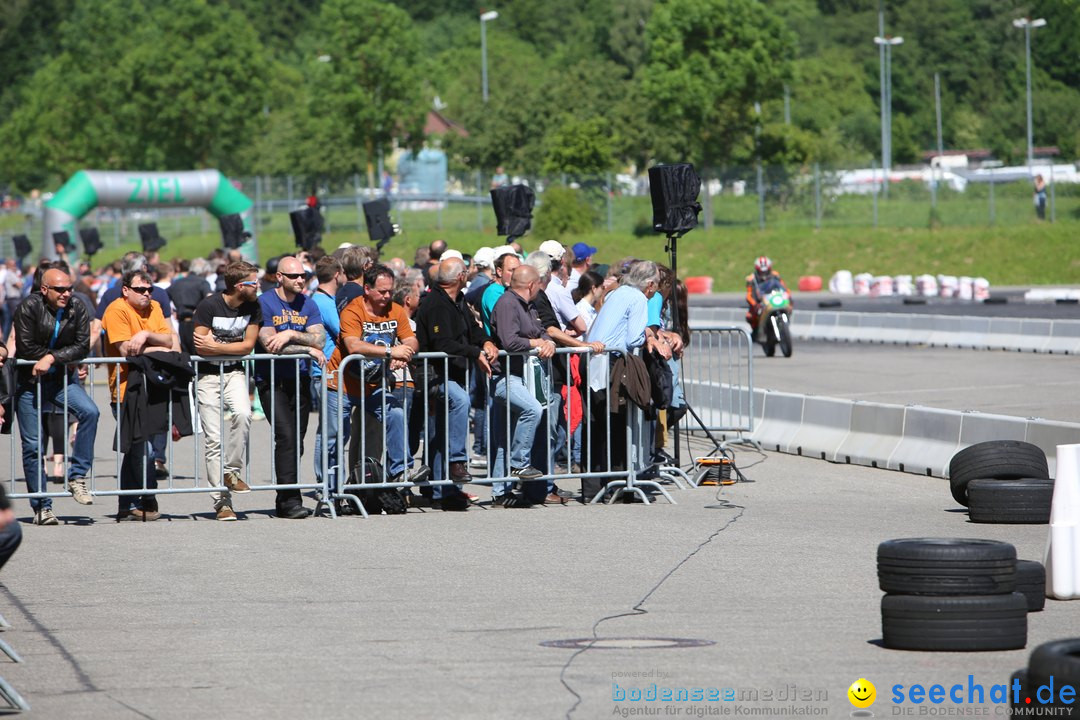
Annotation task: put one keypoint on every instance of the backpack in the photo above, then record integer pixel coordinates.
(390, 500)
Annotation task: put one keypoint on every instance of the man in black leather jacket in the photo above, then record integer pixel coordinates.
(53, 331)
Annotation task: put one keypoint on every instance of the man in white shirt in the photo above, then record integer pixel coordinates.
(562, 302)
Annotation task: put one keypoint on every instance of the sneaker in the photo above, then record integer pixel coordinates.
(295, 511)
(422, 473)
(77, 488)
(45, 516)
(564, 494)
(478, 461)
(136, 514)
(160, 471)
(526, 473)
(235, 483)
(510, 501)
(226, 514)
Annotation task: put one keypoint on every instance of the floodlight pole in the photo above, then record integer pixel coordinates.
(1027, 24)
(484, 18)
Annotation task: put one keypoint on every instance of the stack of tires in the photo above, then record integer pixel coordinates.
(1052, 666)
(951, 594)
(1002, 481)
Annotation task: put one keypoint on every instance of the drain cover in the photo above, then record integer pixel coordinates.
(627, 643)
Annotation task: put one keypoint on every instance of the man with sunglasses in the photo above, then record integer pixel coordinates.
(134, 325)
(227, 323)
(291, 325)
(53, 331)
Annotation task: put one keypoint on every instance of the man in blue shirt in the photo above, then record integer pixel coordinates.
(292, 325)
(331, 276)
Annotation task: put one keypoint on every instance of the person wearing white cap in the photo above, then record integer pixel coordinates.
(562, 302)
(453, 254)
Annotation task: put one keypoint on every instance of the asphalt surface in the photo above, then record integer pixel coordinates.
(444, 615)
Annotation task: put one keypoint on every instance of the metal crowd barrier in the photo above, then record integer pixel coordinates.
(719, 356)
(168, 486)
(718, 379)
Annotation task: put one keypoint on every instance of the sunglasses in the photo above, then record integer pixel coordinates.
(59, 289)
(248, 283)
(144, 290)
(291, 276)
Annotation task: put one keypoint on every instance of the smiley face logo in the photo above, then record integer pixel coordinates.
(862, 693)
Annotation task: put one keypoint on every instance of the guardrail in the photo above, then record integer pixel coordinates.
(951, 331)
(718, 378)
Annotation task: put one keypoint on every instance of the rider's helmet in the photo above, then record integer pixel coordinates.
(762, 267)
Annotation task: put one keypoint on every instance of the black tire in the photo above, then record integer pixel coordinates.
(1059, 659)
(1029, 688)
(968, 622)
(946, 566)
(1031, 583)
(1024, 501)
(996, 460)
(785, 335)
(829, 303)
(914, 301)
(769, 345)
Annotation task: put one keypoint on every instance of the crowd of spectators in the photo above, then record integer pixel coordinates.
(357, 325)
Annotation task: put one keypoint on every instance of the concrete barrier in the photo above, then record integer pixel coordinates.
(780, 421)
(826, 423)
(1048, 434)
(876, 430)
(930, 439)
(1064, 338)
(977, 427)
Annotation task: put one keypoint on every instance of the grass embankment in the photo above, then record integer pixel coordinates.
(1019, 253)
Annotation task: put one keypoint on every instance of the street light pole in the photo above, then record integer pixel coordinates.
(489, 15)
(1027, 24)
(886, 44)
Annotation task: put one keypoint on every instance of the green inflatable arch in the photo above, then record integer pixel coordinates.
(88, 189)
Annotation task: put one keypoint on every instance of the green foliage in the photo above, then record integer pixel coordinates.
(563, 211)
(580, 147)
(709, 62)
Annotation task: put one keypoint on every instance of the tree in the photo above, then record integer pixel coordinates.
(370, 76)
(709, 62)
(580, 147)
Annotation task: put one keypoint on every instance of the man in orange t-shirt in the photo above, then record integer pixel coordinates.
(134, 325)
(375, 327)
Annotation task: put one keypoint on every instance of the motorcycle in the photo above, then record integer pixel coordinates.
(774, 325)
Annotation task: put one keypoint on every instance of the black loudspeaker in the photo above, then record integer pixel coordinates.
(513, 209)
(150, 237)
(674, 190)
(377, 218)
(233, 233)
(306, 227)
(91, 241)
(22, 246)
(62, 241)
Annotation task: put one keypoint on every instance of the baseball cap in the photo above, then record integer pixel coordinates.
(583, 250)
(553, 249)
(504, 250)
(484, 257)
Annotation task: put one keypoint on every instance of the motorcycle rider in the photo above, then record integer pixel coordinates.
(759, 284)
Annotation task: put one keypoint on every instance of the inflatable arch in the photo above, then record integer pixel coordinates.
(88, 189)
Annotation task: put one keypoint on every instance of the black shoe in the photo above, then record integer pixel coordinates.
(454, 503)
(510, 501)
(295, 511)
(526, 473)
(661, 457)
(160, 471)
(564, 494)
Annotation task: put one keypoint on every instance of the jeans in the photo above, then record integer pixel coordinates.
(457, 434)
(282, 403)
(136, 471)
(525, 412)
(387, 410)
(85, 412)
(228, 392)
(158, 445)
(336, 402)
